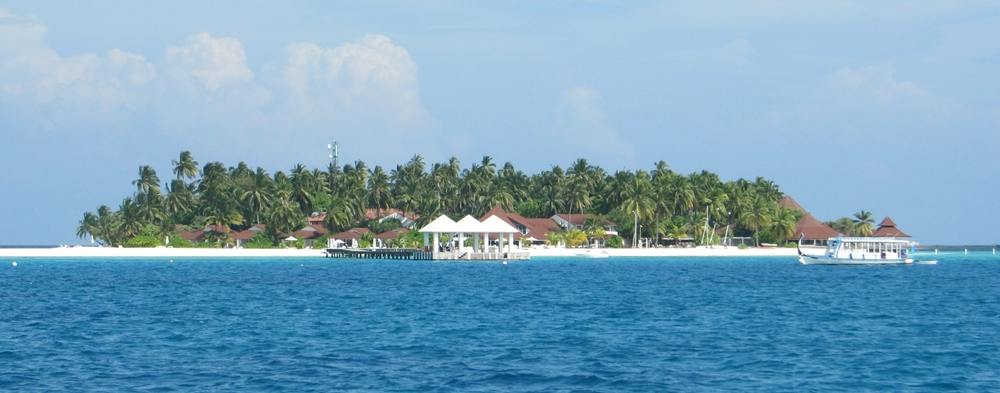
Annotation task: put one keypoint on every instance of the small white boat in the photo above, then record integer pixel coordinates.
(861, 251)
(593, 254)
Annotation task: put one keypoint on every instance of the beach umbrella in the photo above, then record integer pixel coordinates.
(290, 239)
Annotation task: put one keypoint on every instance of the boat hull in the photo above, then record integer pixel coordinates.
(806, 259)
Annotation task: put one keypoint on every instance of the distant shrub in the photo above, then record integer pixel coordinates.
(320, 243)
(259, 240)
(179, 242)
(143, 241)
(791, 245)
(615, 242)
(297, 243)
(742, 246)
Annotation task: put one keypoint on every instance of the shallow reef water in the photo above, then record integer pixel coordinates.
(549, 324)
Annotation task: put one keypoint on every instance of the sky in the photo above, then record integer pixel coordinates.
(891, 107)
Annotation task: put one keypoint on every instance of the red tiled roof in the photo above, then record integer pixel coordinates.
(311, 231)
(789, 203)
(371, 213)
(391, 234)
(813, 229)
(538, 228)
(353, 233)
(888, 229)
(581, 219)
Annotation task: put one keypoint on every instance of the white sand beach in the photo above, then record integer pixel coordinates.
(163, 252)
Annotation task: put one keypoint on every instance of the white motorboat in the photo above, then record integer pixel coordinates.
(861, 251)
(593, 254)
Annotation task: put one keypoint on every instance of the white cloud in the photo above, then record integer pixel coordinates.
(370, 74)
(582, 128)
(878, 83)
(736, 52)
(215, 62)
(29, 68)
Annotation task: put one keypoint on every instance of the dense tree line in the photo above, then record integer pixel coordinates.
(665, 204)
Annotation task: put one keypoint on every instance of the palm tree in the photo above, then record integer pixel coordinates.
(186, 166)
(757, 215)
(88, 226)
(257, 193)
(108, 226)
(339, 216)
(131, 218)
(147, 182)
(594, 227)
(150, 208)
(580, 185)
(378, 190)
(284, 217)
(302, 187)
(863, 223)
(676, 232)
(784, 224)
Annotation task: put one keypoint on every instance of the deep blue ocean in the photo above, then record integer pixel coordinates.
(549, 324)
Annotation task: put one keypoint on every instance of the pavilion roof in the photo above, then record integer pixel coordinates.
(813, 229)
(789, 203)
(494, 224)
(469, 224)
(888, 229)
(442, 224)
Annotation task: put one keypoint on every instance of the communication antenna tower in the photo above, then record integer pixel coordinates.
(334, 149)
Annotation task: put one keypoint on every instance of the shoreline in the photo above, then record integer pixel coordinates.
(114, 252)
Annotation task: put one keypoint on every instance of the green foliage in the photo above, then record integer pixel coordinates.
(576, 238)
(320, 243)
(766, 236)
(530, 209)
(260, 240)
(366, 240)
(615, 242)
(297, 243)
(384, 226)
(239, 196)
(179, 242)
(742, 246)
(142, 241)
(791, 244)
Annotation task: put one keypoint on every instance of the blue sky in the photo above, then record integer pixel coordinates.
(890, 106)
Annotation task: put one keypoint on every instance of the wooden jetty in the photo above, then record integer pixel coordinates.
(417, 254)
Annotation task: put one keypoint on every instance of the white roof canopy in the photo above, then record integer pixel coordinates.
(495, 224)
(441, 224)
(468, 224)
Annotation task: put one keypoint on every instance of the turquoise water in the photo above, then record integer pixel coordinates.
(550, 324)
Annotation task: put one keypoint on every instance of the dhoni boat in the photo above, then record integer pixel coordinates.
(842, 250)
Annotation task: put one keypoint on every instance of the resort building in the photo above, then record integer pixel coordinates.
(385, 238)
(888, 229)
(310, 233)
(405, 219)
(529, 230)
(348, 238)
(243, 237)
(580, 220)
(812, 231)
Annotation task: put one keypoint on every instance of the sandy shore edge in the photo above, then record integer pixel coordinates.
(110, 252)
